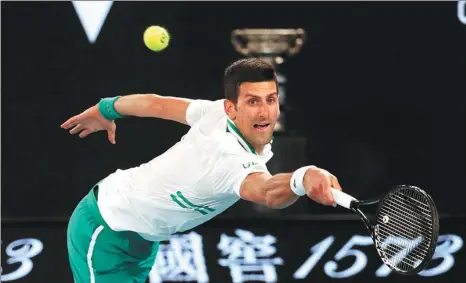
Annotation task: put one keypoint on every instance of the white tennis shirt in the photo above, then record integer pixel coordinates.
(196, 179)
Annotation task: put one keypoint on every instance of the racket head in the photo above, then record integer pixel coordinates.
(406, 229)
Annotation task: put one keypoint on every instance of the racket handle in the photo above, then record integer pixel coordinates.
(341, 198)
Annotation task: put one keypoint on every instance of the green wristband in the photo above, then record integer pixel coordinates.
(107, 108)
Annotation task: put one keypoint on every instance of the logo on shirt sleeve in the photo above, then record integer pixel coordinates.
(249, 164)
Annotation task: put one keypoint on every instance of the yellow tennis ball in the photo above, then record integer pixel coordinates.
(156, 38)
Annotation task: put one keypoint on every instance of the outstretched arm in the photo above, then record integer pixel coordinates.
(275, 191)
(100, 116)
(152, 105)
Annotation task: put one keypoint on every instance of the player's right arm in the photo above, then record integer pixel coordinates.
(275, 191)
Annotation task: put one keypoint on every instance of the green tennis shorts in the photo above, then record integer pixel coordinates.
(98, 254)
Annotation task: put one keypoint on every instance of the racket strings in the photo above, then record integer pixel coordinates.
(417, 206)
(404, 229)
(394, 230)
(398, 246)
(400, 242)
(404, 217)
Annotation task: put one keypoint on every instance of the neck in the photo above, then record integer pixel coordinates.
(248, 146)
(259, 148)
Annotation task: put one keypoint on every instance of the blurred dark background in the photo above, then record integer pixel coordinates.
(377, 95)
(378, 92)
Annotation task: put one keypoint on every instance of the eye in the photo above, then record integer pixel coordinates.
(252, 101)
(271, 100)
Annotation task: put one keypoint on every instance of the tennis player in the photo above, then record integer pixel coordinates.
(114, 232)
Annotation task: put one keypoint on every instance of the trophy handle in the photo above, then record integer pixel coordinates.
(299, 42)
(236, 40)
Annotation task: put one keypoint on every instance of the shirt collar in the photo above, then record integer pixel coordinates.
(267, 152)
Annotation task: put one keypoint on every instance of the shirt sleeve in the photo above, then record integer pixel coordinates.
(234, 169)
(199, 107)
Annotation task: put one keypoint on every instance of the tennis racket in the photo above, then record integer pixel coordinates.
(405, 228)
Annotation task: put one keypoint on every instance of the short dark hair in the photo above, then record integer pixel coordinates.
(246, 70)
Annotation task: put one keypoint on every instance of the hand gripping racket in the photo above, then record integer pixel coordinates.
(405, 228)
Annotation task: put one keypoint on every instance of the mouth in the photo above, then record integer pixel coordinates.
(262, 127)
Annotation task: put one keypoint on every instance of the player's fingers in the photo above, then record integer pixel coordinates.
(327, 196)
(76, 129)
(335, 183)
(111, 136)
(85, 133)
(69, 123)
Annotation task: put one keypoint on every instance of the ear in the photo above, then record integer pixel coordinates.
(230, 109)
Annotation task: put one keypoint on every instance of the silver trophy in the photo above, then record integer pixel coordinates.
(272, 45)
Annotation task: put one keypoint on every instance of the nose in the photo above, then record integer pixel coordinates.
(264, 111)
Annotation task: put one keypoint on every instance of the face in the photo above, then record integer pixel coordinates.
(256, 111)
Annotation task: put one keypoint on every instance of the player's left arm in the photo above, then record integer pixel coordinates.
(179, 109)
(102, 115)
(153, 105)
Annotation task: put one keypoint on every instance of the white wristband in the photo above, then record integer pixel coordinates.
(296, 181)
